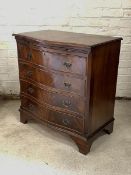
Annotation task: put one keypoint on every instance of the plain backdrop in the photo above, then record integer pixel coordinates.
(104, 17)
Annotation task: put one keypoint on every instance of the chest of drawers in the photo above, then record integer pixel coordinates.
(68, 82)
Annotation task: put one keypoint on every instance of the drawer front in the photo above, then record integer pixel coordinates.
(65, 121)
(74, 104)
(62, 120)
(56, 61)
(34, 108)
(54, 80)
(68, 102)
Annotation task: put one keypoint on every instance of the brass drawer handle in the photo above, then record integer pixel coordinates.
(30, 90)
(29, 56)
(67, 64)
(66, 122)
(68, 85)
(29, 73)
(66, 103)
(31, 107)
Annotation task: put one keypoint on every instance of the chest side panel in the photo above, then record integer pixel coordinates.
(105, 59)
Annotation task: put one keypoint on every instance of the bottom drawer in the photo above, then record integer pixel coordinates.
(34, 108)
(59, 119)
(66, 121)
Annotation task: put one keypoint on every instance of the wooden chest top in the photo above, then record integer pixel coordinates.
(67, 38)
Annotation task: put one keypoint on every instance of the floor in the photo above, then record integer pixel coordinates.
(34, 149)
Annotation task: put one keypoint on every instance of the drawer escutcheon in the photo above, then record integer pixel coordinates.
(31, 107)
(29, 73)
(30, 90)
(67, 64)
(67, 84)
(29, 56)
(66, 122)
(67, 103)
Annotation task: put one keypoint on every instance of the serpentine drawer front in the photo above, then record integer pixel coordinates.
(72, 103)
(68, 82)
(53, 60)
(57, 80)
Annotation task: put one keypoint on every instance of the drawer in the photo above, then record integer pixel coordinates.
(68, 122)
(33, 107)
(56, 61)
(72, 103)
(52, 79)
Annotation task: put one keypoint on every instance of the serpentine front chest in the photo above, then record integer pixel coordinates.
(68, 82)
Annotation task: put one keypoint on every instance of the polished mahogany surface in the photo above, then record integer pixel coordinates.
(73, 103)
(57, 80)
(68, 82)
(53, 60)
(68, 38)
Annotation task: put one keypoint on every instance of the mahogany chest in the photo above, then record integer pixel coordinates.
(68, 81)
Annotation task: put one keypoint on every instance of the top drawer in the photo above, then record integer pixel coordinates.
(52, 60)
